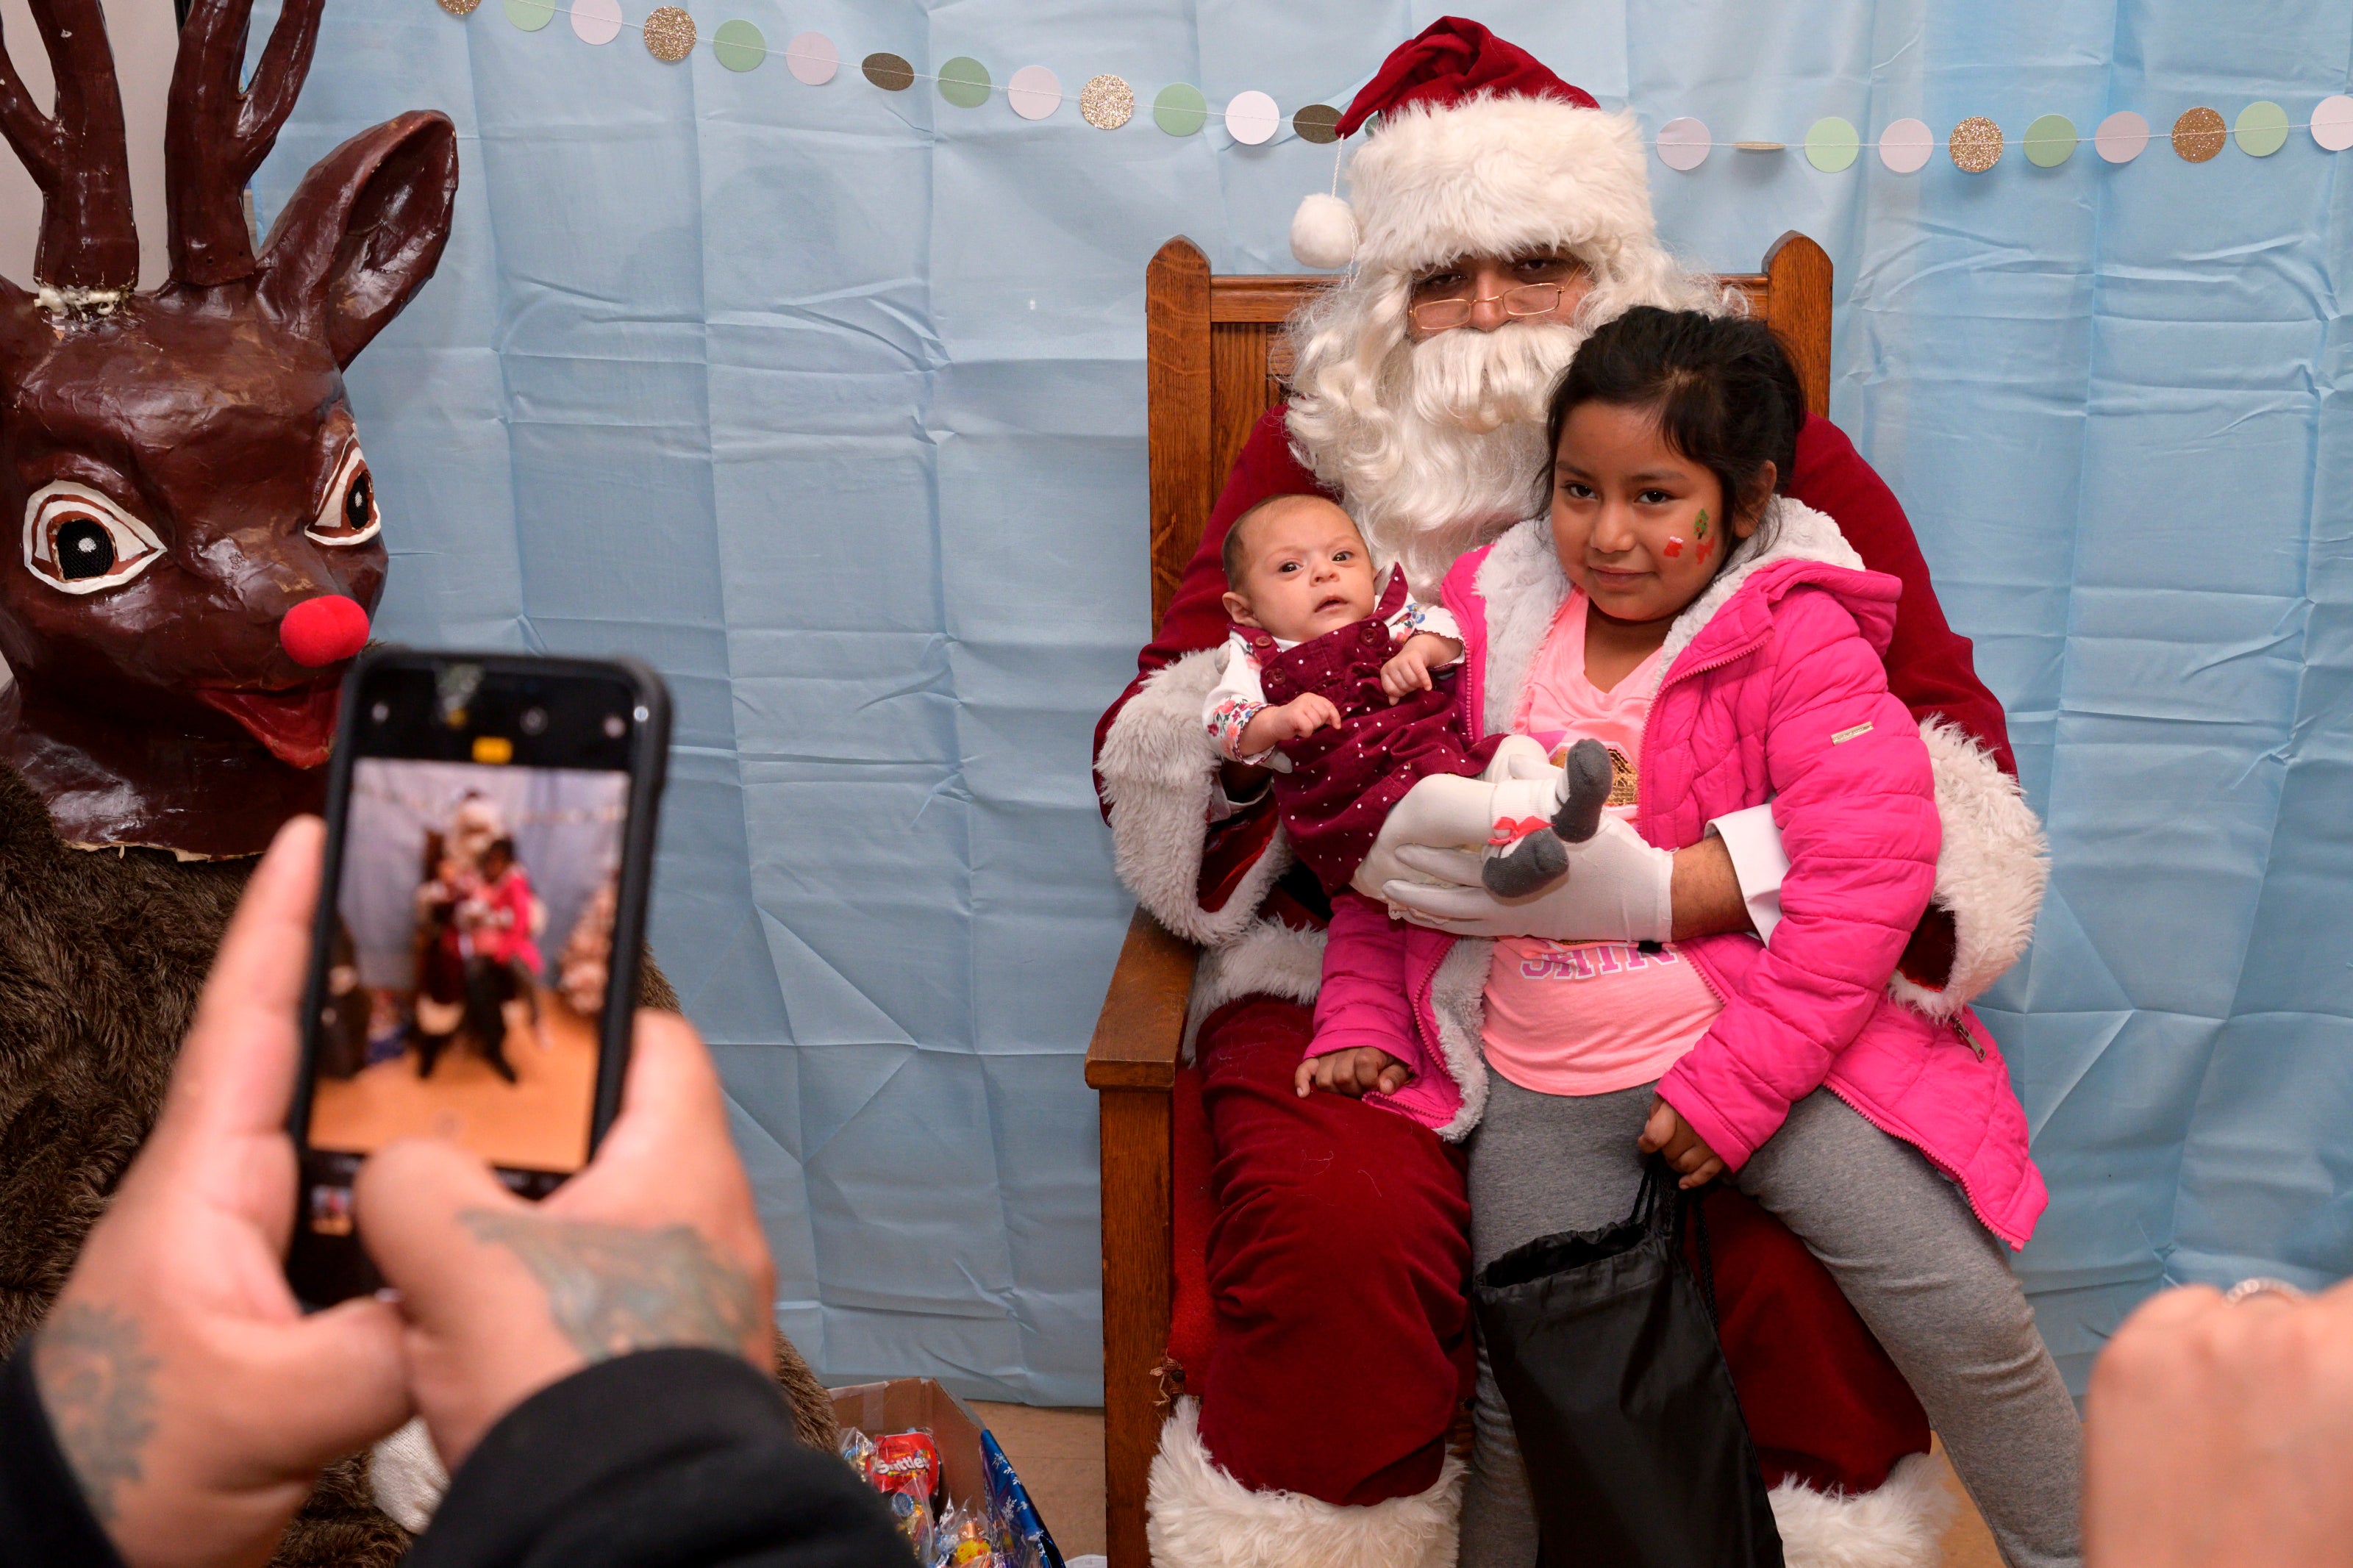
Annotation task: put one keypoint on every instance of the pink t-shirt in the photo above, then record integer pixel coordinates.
(1589, 1017)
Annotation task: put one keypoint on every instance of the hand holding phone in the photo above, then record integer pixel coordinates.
(655, 1244)
(489, 844)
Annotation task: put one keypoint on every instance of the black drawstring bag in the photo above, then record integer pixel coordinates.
(1606, 1356)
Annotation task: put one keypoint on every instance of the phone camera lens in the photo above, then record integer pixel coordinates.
(534, 720)
(381, 712)
(616, 727)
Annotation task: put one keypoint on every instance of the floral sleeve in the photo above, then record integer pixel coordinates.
(1415, 617)
(1234, 701)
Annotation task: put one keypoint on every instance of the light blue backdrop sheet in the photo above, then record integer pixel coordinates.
(830, 401)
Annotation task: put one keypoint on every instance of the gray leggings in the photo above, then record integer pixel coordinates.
(1930, 1280)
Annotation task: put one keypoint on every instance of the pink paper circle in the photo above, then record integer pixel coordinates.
(812, 58)
(1034, 92)
(1252, 118)
(597, 21)
(2122, 136)
(2332, 123)
(1684, 143)
(1906, 145)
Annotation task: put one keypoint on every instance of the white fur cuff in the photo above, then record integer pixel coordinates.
(1158, 765)
(1901, 1525)
(1200, 1517)
(1989, 874)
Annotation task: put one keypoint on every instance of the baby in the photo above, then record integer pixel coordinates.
(1351, 684)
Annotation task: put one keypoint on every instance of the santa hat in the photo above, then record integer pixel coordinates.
(1480, 149)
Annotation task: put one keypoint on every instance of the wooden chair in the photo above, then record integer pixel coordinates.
(1215, 364)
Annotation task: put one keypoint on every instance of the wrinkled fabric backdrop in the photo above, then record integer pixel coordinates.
(830, 401)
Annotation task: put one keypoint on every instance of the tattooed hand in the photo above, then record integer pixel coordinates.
(655, 1243)
(192, 1401)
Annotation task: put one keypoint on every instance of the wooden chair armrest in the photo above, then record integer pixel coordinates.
(1141, 1029)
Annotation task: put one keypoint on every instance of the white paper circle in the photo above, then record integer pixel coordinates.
(2332, 123)
(1252, 118)
(1684, 143)
(2120, 137)
(812, 58)
(597, 21)
(1906, 145)
(1034, 92)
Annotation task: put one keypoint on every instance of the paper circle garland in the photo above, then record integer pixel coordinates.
(1831, 145)
(1106, 102)
(2262, 130)
(2198, 135)
(1318, 123)
(1180, 110)
(1252, 118)
(531, 15)
(2121, 136)
(739, 46)
(812, 58)
(1684, 143)
(2332, 123)
(888, 72)
(964, 81)
(1975, 144)
(1906, 145)
(1034, 92)
(459, 7)
(2050, 140)
(596, 21)
(669, 34)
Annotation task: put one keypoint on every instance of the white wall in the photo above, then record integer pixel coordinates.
(146, 40)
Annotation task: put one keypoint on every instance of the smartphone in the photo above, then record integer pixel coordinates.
(491, 825)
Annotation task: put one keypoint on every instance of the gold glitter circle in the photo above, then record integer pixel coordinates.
(459, 7)
(1975, 144)
(1106, 102)
(670, 34)
(1318, 124)
(888, 72)
(2198, 135)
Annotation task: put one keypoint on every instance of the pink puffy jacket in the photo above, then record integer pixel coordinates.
(1781, 697)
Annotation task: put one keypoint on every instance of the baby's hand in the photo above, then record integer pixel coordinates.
(1408, 672)
(1669, 1135)
(1354, 1073)
(1295, 720)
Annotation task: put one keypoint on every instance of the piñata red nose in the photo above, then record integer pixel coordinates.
(323, 630)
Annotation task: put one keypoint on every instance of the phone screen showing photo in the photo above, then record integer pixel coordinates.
(467, 974)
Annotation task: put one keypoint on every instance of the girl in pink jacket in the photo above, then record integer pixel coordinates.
(1724, 645)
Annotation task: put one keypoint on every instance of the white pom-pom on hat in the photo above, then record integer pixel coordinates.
(1324, 232)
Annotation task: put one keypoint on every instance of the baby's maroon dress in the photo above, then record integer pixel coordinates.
(1343, 781)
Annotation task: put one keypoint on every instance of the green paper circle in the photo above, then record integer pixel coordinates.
(964, 81)
(2262, 130)
(888, 72)
(1180, 110)
(531, 15)
(739, 46)
(2050, 140)
(1831, 145)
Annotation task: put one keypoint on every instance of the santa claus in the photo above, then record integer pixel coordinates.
(1497, 215)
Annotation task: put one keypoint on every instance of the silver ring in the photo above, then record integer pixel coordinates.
(2260, 1285)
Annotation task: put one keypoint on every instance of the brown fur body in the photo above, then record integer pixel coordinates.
(101, 955)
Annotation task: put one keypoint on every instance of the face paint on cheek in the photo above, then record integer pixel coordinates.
(1674, 546)
(1702, 529)
(1706, 549)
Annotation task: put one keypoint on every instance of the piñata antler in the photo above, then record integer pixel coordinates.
(77, 155)
(215, 134)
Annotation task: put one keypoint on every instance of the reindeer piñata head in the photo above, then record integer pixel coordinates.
(189, 546)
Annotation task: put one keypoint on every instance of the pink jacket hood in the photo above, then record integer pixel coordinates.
(1771, 691)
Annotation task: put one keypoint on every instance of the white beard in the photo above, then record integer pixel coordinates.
(1438, 447)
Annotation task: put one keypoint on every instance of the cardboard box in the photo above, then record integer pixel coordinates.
(973, 1467)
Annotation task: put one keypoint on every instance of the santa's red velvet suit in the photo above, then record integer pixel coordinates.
(1323, 1328)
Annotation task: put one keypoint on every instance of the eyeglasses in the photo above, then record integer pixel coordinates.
(1445, 315)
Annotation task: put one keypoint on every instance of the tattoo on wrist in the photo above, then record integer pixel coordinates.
(97, 1383)
(615, 1289)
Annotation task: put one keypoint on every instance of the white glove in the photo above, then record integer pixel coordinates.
(1440, 810)
(1617, 889)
